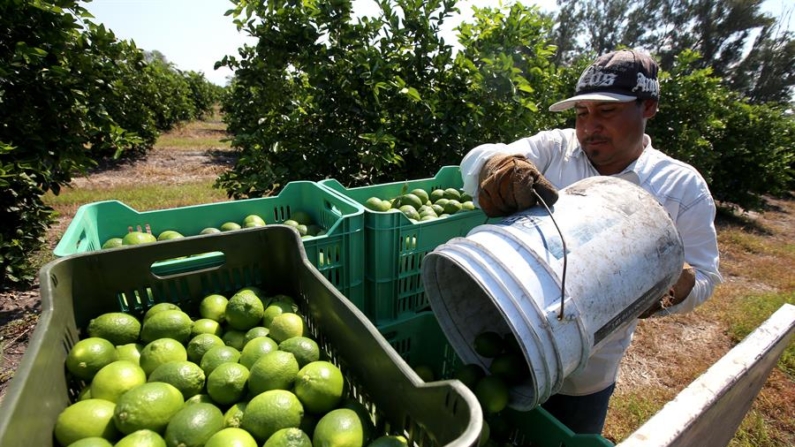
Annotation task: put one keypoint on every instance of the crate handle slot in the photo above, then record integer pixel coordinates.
(204, 261)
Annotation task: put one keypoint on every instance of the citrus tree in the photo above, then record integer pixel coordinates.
(370, 99)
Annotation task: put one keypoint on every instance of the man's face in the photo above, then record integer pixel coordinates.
(611, 133)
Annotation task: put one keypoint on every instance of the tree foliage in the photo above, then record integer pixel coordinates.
(375, 98)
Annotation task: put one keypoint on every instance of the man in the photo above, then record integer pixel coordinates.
(613, 100)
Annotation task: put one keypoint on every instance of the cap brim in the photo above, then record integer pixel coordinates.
(602, 96)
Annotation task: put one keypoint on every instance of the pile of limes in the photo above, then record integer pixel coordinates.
(507, 368)
(418, 205)
(301, 220)
(244, 372)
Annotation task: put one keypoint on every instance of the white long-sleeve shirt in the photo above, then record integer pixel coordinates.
(676, 185)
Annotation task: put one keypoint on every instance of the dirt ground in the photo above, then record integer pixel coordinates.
(656, 351)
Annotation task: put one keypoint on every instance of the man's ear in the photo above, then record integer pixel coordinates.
(650, 108)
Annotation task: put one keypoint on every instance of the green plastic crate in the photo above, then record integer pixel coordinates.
(420, 341)
(395, 247)
(77, 288)
(338, 254)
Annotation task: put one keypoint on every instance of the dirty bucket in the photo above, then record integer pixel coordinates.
(623, 253)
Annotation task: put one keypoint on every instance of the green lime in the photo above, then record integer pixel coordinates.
(339, 428)
(93, 441)
(244, 311)
(234, 338)
(234, 414)
(200, 399)
(231, 437)
(274, 370)
(230, 226)
(389, 441)
(217, 356)
(85, 419)
(275, 308)
(113, 242)
(511, 367)
(213, 307)
(200, 344)
(492, 393)
(142, 438)
(115, 379)
(174, 324)
(89, 355)
(130, 352)
(186, 376)
(160, 351)
(206, 326)
(255, 349)
(138, 237)
(159, 307)
(271, 411)
(227, 383)
(289, 437)
(365, 417)
(469, 374)
(303, 348)
(286, 325)
(118, 328)
(319, 386)
(193, 425)
(148, 406)
(256, 331)
(488, 344)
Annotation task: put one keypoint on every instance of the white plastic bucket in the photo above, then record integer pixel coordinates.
(623, 253)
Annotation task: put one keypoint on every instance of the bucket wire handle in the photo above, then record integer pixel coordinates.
(565, 256)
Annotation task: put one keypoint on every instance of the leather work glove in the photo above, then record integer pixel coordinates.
(677, 293)
(506, 185)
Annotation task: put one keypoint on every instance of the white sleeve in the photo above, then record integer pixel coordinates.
(473, 162)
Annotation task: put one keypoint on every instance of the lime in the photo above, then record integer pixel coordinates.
(436, 194)
(193, 425)
(113, 242)
(206, 326)
(85, 393)
(373, 203)
(289, 437)
(130, 351)
(89, 355)
(118, 328)
(253, 219)
(512, 367)
(256, 331)
(85, 419)
(452, 207)
(275, 308)
(411, 199)
(255, 349)
(286, 325)
(115, 379)
(186, 376)
(218, 355)
(303, 348)
(138, 237)
(142, 438)
(410, 212)
(365, 417)
(148, 406)
(92, 442)
(200, 344)
(274, 370)
(492, 393)
(160, 351)
(271, 411)
(159, 307)
(213, 307)
(452, 194)
(488, 344)
(339, 428)
(469, 374)
(389, 441)
(210, 230)
(234, 414)
(169, 234)
(231, 437)
(174, 324)
(421, 194)
(244, 311)
(234, 338)
(302, 217)
(319, 386)
(230, 226)
(227, 383)
(467, 205)
(199, 399)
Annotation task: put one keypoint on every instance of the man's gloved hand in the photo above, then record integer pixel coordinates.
(677, 294)
(506, 185)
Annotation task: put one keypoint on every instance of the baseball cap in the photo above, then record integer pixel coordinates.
(622, 76)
